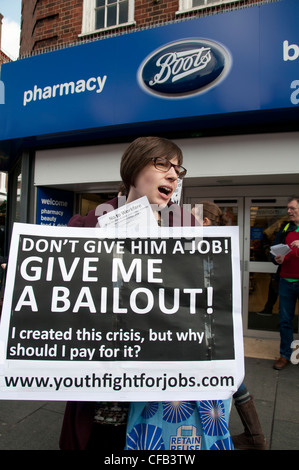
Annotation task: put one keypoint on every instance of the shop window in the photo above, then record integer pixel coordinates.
(100, 15)
(89, 201)
(185, 5)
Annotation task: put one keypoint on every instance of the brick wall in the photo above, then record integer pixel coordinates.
(27, 24)
(4, 58)
(152, 12)
(47, 24)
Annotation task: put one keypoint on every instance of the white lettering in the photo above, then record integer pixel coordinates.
(117, 264)
(88, 84)
(85, 292)
(31, 302)
(61, 89)
(177, 65)
(65, 87)
(295, 94)
(60, 299)
(101, 83)
(87, 268)
(36, 270)
(28, 95)
(290, 51)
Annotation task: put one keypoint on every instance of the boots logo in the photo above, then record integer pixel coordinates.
(184, 68)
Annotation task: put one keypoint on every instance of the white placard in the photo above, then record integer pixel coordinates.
(87, 317)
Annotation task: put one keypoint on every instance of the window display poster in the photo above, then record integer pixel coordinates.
(54, 206)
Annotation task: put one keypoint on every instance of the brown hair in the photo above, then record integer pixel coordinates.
(293, 198)
(212, 212)
(141, 151)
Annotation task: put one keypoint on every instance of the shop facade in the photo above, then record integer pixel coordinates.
(224, 87)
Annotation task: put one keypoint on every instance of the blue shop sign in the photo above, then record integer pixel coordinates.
(54, 207)
(256, 233)
(240, 61)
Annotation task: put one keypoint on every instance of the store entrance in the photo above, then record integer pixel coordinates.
(89, 201)
(258, 219)
(263, 219)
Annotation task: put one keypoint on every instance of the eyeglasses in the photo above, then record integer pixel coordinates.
(162, 164)
(292, 208)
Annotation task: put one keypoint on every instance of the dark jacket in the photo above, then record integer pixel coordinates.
(282, 234)
(79, 416)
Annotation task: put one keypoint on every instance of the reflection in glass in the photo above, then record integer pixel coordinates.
(111, 16)
(100, 18)
(265, 222)
(231, 213)
(111, 13)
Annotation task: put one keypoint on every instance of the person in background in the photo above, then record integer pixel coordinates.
(252, 438)
(210, 213)
(288, 282)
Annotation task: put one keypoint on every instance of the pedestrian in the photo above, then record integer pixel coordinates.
(208, 213)
(289, 281)
(150, 166)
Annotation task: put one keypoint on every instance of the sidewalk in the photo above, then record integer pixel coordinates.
(35, 425)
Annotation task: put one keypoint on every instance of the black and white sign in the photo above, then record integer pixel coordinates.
(89, 317)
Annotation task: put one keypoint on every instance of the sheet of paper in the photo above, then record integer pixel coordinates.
(280, 249)
(135, 216)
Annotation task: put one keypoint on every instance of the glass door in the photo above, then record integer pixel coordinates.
(263, 219)
(233, 210)
(231, 207)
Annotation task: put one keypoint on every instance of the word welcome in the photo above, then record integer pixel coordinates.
(92, 84)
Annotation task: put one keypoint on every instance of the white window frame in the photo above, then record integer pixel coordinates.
(187, 5)
(88, 18)
(3, 183)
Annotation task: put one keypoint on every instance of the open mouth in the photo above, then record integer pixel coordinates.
(165, 190)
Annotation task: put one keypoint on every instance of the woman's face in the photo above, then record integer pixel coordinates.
(157, 185)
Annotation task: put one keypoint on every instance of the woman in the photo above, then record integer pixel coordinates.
(149, 167)
(211, 213)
